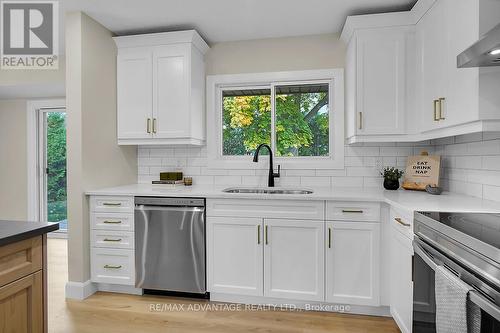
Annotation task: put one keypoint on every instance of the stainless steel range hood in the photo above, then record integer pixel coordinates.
(483, 52)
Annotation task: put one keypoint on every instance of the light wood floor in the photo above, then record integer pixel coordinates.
(116, 313)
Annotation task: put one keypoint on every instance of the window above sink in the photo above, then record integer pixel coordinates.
(299, 114)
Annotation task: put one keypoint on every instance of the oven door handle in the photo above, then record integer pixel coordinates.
(421, 253)
(474, 296)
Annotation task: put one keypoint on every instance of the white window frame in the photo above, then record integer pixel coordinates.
(217, 83)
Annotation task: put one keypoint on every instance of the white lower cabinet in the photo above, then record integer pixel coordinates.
(294, 259)
(401, 280)
(266, 257)
(353, 263)
(235, 255)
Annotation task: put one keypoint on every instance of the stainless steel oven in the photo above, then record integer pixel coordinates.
(468, 245)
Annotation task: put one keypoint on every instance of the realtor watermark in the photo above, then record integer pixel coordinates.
(230, 307)
(29, 34)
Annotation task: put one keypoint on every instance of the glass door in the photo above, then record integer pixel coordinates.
(52, 145)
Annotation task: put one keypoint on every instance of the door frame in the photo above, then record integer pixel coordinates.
(33, 152)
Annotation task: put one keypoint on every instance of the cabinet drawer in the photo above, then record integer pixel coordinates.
(112, 239)
(114, 266)
(293, 209)
(352, 211)
(112, 221)
(109, 204)
(402, 221)
(20, 259)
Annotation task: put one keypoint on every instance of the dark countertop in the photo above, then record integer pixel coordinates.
(15, 231)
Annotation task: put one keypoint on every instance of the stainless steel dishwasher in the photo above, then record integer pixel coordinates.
(170, 244)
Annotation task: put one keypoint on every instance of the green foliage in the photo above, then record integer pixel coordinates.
(392, 173)
(247, 122)
(299, 131)
(56, 164)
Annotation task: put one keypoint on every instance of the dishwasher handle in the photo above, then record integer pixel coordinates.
(170, 208)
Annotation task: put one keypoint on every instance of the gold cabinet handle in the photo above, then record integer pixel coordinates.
(265, 232)
(113, 266)
(357, 211)
(148, 125)
(400, 221)
(360, 120)
(154, 125)
(441, 108)
(329, 238)
(258, 234)
(111, 222)
(112, 204)
(436, 106)
(112, 239)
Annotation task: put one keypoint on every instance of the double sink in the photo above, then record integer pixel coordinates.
(266, 190)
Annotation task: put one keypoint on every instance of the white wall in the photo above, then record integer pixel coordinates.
(13, 164)
(276, 54)
(94, 158)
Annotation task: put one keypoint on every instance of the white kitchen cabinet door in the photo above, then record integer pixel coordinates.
(134, 94)
(431, 65)
(235, 255)
(353, 263)
(462, 97)
(294, 259)
(171, 86)
(381, 76)
(401, 280)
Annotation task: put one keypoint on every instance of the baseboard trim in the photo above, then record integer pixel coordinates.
(79, 290)
(380, 311)
(116, 288)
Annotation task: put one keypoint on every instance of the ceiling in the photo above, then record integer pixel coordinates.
(229, 20)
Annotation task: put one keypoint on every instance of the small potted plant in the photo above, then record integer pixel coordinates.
(391, 178)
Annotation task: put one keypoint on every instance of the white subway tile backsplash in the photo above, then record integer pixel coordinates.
(396, 151)
(491, 162)
(315, 181)
(227, 180)
(347, 181)
(491, 192)
(491, 147)
(330, 173)
(470, 165)
(353, 161)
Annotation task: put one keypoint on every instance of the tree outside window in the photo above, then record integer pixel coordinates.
(301, 120)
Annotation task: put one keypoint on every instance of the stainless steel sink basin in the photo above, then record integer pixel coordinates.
(266, 190)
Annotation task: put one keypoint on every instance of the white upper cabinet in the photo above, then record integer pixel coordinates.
(431, 67)
(376, 78)
(402, 80)
(134, 95)
(160, 88)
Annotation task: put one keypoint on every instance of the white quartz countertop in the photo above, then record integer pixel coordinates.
(408, 200)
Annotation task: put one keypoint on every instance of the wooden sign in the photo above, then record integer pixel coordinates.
(422, 171)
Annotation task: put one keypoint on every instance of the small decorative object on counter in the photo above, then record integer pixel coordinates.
(433, 190)
(421, 171)
(391, 178)
(188, 181)
(167, 182)
(171, 175)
